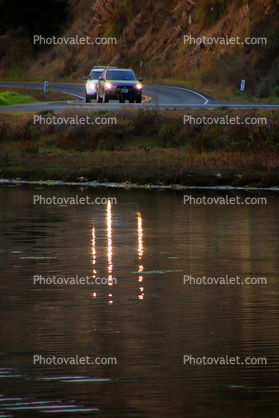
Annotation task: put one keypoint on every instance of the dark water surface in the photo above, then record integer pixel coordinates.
(149, 319)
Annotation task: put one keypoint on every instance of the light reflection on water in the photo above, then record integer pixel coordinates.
(140, 253)
(149, 320)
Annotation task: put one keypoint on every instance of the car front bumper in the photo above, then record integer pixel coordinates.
(116, 93)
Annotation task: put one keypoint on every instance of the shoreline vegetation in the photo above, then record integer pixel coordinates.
(143, 147)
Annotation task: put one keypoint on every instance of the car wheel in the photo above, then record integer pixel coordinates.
(105, 99)
(99, 99)
(138, 100)
(87, 99)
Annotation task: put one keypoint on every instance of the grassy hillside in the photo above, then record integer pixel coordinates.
(150, 39)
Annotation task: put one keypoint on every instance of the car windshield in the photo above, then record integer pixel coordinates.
(121, 75)
(94, 75)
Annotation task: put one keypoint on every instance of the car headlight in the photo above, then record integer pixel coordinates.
(139, 86)
(91, 84)
(108, 86)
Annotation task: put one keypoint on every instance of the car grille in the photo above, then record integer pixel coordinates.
(131, 89)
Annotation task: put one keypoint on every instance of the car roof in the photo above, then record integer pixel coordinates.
(120, 69)
(96, 68)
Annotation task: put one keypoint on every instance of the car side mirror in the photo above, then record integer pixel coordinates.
(85, 78)
(140, 79)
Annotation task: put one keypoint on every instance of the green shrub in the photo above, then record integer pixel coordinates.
(168, 134)
(264, 89)
(115, 14)
(268, 53)
(208, 12)
(8, 98)
(147, 122)
(26, 132)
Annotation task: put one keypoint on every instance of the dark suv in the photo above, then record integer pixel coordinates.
(93, 77)
(119, 84)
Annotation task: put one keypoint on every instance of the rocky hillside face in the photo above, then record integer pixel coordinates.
(160, 40)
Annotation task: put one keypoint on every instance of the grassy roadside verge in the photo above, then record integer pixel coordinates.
(143, 147)
(9, 98)
(35, 94)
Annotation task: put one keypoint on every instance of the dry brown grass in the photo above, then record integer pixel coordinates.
(152, 33)
(267, 160)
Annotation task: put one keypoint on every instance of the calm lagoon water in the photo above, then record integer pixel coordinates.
(143, 315)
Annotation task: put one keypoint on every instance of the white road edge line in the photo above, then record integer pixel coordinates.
(71, 94)
(204, 98)
(191, 91)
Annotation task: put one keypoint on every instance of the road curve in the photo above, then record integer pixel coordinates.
(156, 96)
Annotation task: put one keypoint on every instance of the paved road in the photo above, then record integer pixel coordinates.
(154, 96)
